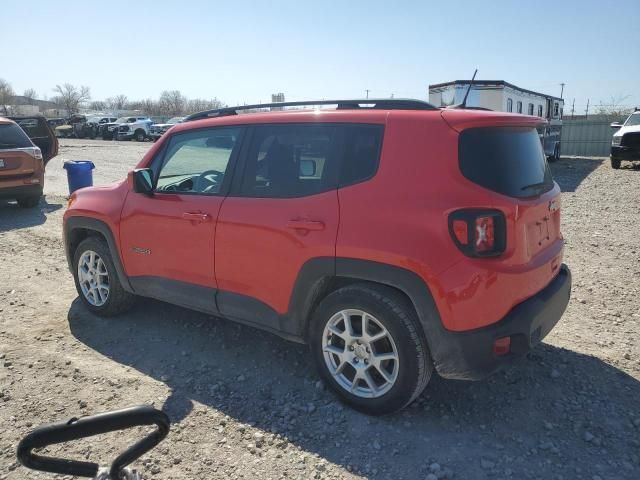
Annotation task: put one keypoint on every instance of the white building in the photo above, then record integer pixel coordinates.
(497, 95)
(502, 96)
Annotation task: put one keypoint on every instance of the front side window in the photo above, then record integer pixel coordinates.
(530, 110)
(285, 161)
(519, 105)
(555, 109)
(509, 105)
(196, 162)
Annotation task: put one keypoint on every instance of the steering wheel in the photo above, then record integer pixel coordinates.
(207, 181)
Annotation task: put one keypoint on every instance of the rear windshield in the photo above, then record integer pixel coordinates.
(505, 160)
(12, 136)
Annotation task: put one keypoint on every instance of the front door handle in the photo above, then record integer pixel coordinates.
(196, 216)
(305, 224)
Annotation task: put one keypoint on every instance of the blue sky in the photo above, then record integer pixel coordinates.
(242, 51)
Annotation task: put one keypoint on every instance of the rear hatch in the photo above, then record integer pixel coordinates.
(509, 160)
(40, 133)
(18, 156)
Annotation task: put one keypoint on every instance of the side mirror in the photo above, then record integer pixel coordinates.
(616, 125)
(143, 181)
(307, 168)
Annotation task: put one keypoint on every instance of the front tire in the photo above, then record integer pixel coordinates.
(140, 135)
(369, 348)
(615, 163)
(97, 280)
(29, 202)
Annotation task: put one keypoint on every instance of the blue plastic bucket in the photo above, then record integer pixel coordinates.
(79, 174)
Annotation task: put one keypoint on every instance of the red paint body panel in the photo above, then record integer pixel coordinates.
(399, 217)
(259, 253)
(156, 240)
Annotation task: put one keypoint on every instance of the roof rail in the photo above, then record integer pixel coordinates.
(373, 103)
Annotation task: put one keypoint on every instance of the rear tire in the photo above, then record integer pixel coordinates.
(356, 373)
(615, 163)
(29, 202)
(140, 135)
(109, 298)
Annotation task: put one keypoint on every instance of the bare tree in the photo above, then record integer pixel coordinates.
(30, 94)
(615, 107)
(172, 102)
(6, 95)
(119, 102)
(199, 104)
(71, 97)
(97, 105)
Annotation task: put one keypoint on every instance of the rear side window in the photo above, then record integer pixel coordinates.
(290, 161)
(506, 160)
(285, 161)
(360, 152)
(12, 136)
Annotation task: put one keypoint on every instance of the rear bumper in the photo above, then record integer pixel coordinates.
(19, 191)
(469, 355)
(625, 153)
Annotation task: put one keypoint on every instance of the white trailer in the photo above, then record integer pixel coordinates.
(502, 96)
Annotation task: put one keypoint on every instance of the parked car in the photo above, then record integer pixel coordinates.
(94, 124)
(26, 145)
(394, 239)
(138, 130)
(625, 144)
(159, 129)
(55, 122)
(110, 131)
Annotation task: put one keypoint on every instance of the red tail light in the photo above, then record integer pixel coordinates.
(478, 233)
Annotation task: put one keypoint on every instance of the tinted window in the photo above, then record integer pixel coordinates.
(509, 105)
(360, 153)
(506, 160)
(197, 161)
(539, 110)
(519, 106)
(12, 136)
(530, 109)
(290, 161)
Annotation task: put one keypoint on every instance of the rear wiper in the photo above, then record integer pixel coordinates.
(8, 145)
(535, 185)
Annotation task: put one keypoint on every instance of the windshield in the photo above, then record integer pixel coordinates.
(634, 119)
(175, 120)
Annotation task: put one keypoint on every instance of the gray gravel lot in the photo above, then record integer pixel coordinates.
(113, 159)
(245, 404)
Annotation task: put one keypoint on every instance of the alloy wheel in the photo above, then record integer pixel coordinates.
(93, 278)
(360, 353)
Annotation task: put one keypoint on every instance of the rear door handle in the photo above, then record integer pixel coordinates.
(196, 216)
(305, 224)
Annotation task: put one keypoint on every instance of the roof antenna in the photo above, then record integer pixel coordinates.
(464, 100)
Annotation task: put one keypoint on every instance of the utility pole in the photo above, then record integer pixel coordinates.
(586, 112)
(392, 95)
(573, 104)
(367, 90)
(562, 89)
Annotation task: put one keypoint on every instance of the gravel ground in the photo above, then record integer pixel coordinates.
(245, 404)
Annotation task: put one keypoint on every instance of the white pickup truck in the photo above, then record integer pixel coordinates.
(125, 128)
(138, 129)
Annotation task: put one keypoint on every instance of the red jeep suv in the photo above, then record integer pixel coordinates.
(391, 236)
